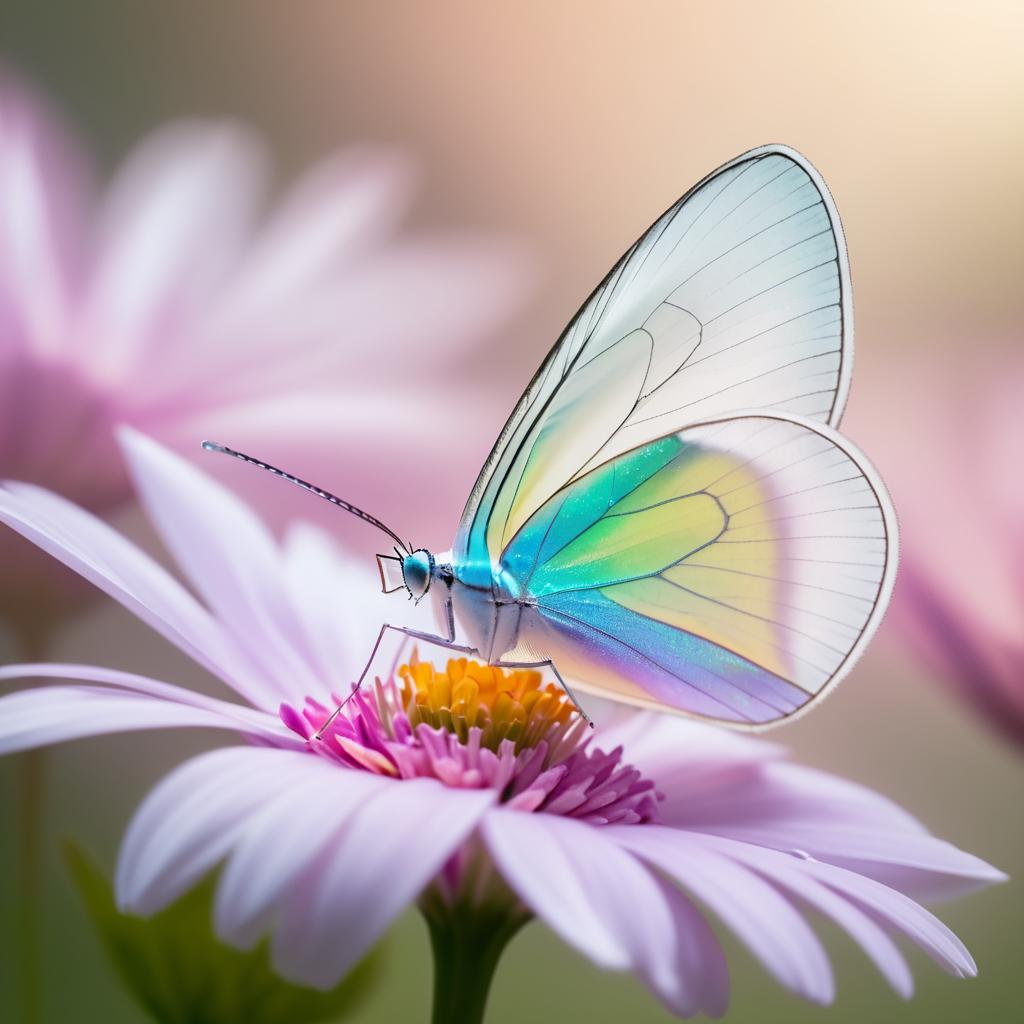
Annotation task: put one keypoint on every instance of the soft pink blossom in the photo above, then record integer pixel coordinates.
(179, 302)
(622, 840)
(952, 450)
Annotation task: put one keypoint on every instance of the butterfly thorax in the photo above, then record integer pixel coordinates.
(487, 618)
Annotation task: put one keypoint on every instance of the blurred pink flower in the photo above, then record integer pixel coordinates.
(957, 479)
(164, 304)
(460, 791)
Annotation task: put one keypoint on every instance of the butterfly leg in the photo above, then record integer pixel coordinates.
(549, 664)
(414, 634)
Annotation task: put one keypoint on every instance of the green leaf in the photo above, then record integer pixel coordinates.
(181, 974)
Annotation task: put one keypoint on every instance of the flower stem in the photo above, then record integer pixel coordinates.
(467, 943)
(30, 820)
(34, 769)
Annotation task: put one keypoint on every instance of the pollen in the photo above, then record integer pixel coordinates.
(514, 705)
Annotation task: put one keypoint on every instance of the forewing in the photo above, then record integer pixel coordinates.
(737, 297)
(733, 570)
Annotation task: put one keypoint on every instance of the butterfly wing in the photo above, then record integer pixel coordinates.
(733, 570)
(737, 297)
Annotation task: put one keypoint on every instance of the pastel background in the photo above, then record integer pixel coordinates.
(567, 127)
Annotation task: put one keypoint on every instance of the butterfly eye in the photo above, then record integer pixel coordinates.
(417, 570)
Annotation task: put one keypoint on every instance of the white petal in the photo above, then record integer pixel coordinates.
(337, 598)
(882, 902)
(593, 893)
(380, 862)
(70, 719)
(700, 962)
(191, 820)
(342, 608)
(280, 844)
(767, 923)
(338, 207)
(231, 559)
(791, 807)
(115, 565)
(680, 752)
(419, 305)
(922, 865)
(783, 793)
(424, 302)
(36, 718)
(356, 430)
(903, 913)
(792, 874)
(536, 862)
(173, 222)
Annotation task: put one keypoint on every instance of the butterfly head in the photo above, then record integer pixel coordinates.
(412, 570)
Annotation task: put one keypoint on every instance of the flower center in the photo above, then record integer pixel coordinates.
(476, 726)
(60, 431)
(503, 705)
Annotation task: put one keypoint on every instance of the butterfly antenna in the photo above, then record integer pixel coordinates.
(212, 446)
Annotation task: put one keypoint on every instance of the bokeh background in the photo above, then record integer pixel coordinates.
(569, 126)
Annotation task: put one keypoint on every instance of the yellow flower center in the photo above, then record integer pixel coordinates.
(511, 705)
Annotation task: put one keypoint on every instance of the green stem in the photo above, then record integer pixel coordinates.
(467, 943)
(34, 765)
(32, 791)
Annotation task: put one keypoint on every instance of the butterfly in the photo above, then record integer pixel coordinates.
(670, 518)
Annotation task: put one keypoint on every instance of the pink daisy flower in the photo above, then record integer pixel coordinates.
(479, 795)
(166, 304)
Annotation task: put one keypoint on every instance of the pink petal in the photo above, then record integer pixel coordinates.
(884, 903)
(36, 718)
(600, 900)
(966, 624)
(231, 559)
(422, 301)
(791, 873)
(550, 879)
(1002, 424)
(173, 222)
(964, 646)
(927, 868)
(283, 841)
(966, 406)
(105, 558)
(655, 741)
(55, 428)
(767, 924)
(700, 962)
(388, 425)
(337, 208)
(382, 858)
(191, 820)
(790, 807)
(694, 763)
(43, 189)
(781, 795)
(337, 598)
(222, 714)
(903, 913)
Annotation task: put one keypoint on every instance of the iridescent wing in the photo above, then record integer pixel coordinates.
(737, 297)
(733, 570)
